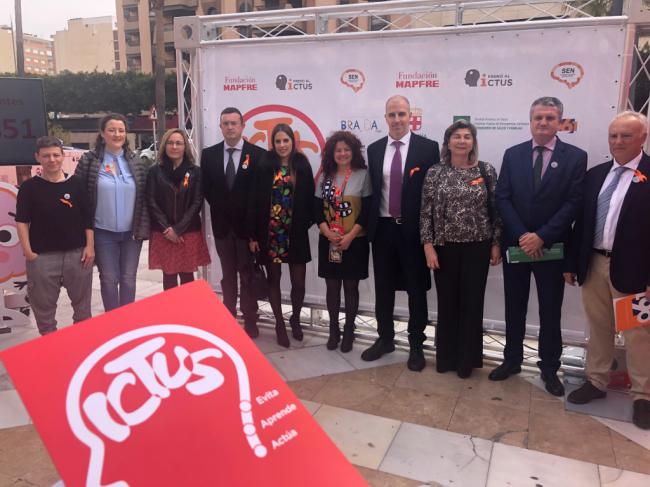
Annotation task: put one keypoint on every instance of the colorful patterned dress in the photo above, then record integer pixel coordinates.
(280, 221)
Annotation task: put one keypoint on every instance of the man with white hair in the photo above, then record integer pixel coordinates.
(609, 254)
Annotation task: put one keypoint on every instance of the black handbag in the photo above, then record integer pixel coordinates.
(259, 285)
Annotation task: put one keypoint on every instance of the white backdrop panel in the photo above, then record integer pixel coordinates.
(319, 86)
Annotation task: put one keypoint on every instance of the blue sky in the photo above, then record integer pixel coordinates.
(44, 17)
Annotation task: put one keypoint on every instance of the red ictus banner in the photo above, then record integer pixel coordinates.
(170, 391)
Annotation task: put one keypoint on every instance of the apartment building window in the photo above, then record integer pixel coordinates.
(132, 38)
(131, 13)
(245, 6)
(378, 23)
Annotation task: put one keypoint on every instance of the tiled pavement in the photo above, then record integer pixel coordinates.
(398, 427)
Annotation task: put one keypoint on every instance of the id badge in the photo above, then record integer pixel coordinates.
(335, 255)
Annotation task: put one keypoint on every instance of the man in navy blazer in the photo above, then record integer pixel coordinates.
(227, 171)
(397, 165)
(538, 194)
(609, 253)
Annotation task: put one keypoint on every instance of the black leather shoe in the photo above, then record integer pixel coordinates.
(377, 350)
(281, 334)
(296, 329)
(586, 393)
(553, 384)
(348, 339)
(335, 336)
(251, 330)
(505, 370)
(464, 372)
(641, 416)
(416, 360)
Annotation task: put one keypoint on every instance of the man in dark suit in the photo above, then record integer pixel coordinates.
(227, 170)
(397, 166)
(610, 253)
(538, 194)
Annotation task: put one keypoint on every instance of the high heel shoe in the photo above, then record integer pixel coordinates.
(296, 329)
(281, 334)
(335, 336)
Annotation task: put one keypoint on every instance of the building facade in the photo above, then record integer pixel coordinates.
(85, 46)
(7, 50)
(39, 55)
(135, 24)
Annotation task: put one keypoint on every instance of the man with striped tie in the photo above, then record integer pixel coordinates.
(609, 253)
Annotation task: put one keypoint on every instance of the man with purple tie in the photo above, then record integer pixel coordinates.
(397, 166)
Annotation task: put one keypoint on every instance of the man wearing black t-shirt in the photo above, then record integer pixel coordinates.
(56, 233)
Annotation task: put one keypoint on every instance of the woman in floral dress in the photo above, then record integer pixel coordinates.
(279, 216)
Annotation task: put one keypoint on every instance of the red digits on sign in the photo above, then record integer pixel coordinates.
(9, 129)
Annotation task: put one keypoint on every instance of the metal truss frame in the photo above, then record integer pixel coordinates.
(393, 18)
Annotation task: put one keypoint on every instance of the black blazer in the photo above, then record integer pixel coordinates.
(422, 154)
(630, 262)
(551, 209)
(228, 207)
(259, 209)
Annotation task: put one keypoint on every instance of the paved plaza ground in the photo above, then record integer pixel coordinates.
(399, 428)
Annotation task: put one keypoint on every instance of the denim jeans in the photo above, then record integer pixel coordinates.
(117, 255)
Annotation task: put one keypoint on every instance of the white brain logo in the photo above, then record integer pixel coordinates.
(147, 365)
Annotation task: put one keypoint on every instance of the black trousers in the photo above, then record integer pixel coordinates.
(460, 286)
(550, 293)
(398, 264)
(236, 258)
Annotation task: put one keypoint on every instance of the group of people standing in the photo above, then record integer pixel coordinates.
(420, 208)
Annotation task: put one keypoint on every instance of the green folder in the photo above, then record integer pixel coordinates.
(515, 255)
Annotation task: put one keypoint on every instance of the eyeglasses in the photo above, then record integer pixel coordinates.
(178, 143)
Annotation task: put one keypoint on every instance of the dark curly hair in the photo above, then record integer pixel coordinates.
(349, 139)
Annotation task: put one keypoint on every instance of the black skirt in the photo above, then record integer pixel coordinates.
(354, 264)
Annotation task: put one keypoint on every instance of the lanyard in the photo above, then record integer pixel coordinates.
(337, 200)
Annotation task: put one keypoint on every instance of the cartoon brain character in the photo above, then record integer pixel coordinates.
(12, 260)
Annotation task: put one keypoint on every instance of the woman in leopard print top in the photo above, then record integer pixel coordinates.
(460, 229)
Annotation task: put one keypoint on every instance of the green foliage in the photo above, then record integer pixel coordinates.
(127, 93)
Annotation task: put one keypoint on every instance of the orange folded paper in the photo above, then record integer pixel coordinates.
(631, 312)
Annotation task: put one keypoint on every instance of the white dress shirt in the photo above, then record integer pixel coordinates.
(618, 196)
(236, 155)
(388, 162)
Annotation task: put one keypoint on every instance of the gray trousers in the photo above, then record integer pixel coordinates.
(45, 276)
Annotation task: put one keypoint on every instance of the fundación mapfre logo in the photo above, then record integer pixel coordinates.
(475, 79)
(239, 83)
(284, 83)
(568, 73)
(417, 79)
(354, 79)
(261, 120)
